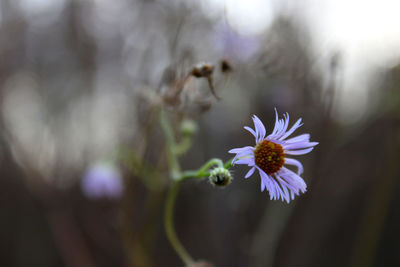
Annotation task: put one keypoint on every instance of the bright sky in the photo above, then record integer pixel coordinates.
(368, 26)
(367, 32)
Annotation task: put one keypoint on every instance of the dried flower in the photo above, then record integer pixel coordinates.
(204, 70)
(225, 66)
(268, 156)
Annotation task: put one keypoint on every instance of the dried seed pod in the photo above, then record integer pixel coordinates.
(205, 70)
(226, 66)
(202, 70)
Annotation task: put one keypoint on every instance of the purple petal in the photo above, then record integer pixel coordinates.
(279, 126)
(251, 131)
(245, 154)
(272, 188)
(293, 187)
(294, 128)
(264, 179)
(282, 188)
(260, 129)
(299, 145)
(263, 186)
(300, 138)
(298, 152)
(296, 163)
(293, 179)
(276, 123)
(284, 184)
(241, 149)
(278, 190)
(285, 125)
(249, 161)
(249, 173)
(286, 193)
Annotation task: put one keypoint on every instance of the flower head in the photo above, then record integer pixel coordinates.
(268, 156)
(102, 181)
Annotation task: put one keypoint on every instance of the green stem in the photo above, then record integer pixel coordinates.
(228, 164)
(193, 174)
(169, 225)
(183, 146)
(203, 171)
(210, 163)
(175, 173)
(175, 170)
(177, 176)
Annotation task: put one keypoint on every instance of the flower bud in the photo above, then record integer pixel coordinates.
(188, 127)
(220, 177)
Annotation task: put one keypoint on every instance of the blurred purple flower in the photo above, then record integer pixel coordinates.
(232, 45)
(102, 181)
(269, 155)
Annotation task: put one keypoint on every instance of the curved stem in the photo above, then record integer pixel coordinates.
(228, 164)
(203, 171)
(169, 225)
(210, 163)
(183, 146)
(177, 176)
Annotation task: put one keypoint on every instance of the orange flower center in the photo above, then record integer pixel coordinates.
(269, 156)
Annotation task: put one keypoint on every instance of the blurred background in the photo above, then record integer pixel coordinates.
(83, 171)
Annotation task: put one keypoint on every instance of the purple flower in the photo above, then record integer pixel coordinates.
(102, 181)
(234, 45)
(268, 156)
